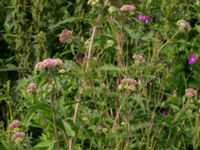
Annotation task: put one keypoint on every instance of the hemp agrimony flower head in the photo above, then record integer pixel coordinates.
(65, 36)
(183, 24)
(192, 59)
(128, 8)
(14, 124)
(138, 58)
(128, 84)
(31, 87)
(144, 18)
(49, 63)
(18, 137)
(190, 92)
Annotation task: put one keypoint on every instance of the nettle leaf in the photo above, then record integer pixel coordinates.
(45, 144)
(68, 129)
(39, 106)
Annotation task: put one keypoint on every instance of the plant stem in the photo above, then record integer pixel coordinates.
(74, 116)
(54, 121)
(94, 28)
(168, 41)
(53, 99)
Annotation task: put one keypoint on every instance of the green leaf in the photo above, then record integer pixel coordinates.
(178, 115)
(46, 144)
(68, 129)
(11, 69)
(4, 97)
(39, 106)
(109, 67)
(174, 107)
(68, 20)
(138, 126)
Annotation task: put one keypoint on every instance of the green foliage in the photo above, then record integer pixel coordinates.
(122, 81)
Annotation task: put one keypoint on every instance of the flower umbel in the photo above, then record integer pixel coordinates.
(183, 24)
(190, 92)
(65, 36)
(18, 137)
(128, 83)
(127, 8)
(14, 124)
(192, 59)
(31, 87)
(49, 63)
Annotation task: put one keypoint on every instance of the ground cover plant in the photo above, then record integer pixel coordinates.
(99, 75)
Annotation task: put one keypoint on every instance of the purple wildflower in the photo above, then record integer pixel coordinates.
(144, 18)
(192, 58)
(164, 113)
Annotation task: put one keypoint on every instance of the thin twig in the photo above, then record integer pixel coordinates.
(168, 41)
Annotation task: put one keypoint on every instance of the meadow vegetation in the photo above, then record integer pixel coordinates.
(99, 75)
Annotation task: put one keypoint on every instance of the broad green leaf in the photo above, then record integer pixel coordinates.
(39, 106)
(68, 129)
(45, 144)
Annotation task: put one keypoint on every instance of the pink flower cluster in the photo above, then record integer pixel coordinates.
(127, 8)
(49, 63)
(65, 36)
(18, 135)
(31, 87)
(190, 92)
(14, 124)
